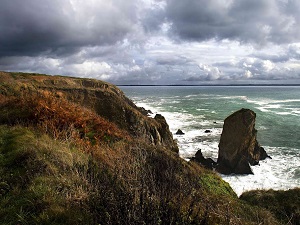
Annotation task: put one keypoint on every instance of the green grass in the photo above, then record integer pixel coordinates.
(216, 185)
(37, 178)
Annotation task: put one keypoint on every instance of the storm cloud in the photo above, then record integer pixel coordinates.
(154, 41)
(58, 27)
(258, 22)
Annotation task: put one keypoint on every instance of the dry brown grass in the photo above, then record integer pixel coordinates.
(59, 118)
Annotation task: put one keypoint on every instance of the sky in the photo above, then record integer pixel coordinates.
(154, 41)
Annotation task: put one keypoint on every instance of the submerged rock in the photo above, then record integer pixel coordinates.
(238, 147)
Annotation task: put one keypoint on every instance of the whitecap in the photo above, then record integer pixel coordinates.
(273, 106)
(263, 109)
(233, 97)
(288, 100)
(283, 113)
(190, 96)
(265, 101)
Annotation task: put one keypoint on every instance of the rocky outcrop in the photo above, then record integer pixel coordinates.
(112, 104)
(206, 162)
(161, 133)
(238, 147)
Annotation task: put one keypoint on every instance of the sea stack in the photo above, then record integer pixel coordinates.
(238, 147)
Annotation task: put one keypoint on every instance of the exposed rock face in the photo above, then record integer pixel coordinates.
(162, 134)
(111, 103)
(238, 146)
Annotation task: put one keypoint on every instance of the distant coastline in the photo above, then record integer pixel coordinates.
(208, 85)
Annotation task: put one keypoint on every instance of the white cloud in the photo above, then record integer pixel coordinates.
(248, 74)
(212, 73)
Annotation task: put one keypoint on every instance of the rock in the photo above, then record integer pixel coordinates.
(260, 153)
(165, 136)
(238, 147)
(145, 111)
(207, 131)
(206, 162)
(179, 132)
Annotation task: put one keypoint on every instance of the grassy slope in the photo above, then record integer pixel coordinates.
(61, 163)
(284, 204)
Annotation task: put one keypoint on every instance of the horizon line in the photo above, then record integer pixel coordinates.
(203, 85)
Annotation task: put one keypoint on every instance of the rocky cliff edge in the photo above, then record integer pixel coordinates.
(105, 99)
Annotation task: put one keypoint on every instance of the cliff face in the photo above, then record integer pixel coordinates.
(105, 99)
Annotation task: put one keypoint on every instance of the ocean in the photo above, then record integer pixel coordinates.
(199, 108)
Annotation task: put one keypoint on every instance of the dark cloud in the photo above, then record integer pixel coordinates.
(171, 60)
(153, 19)
(292, 52)
(255, 21)
(56, 27)
(194, 19)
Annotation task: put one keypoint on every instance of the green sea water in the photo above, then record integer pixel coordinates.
(197, 109)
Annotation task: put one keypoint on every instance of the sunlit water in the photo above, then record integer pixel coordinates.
(196, 109)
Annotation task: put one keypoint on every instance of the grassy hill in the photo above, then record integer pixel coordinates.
(77, 151)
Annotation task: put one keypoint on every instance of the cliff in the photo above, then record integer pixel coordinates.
(105, 99)
(77, 151)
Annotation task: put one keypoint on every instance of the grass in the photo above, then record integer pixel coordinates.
(216, 185)
(62, 163)
(32, 171)
(47, 181)
(285, 205)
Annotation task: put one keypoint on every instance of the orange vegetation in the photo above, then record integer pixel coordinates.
(60, 118)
